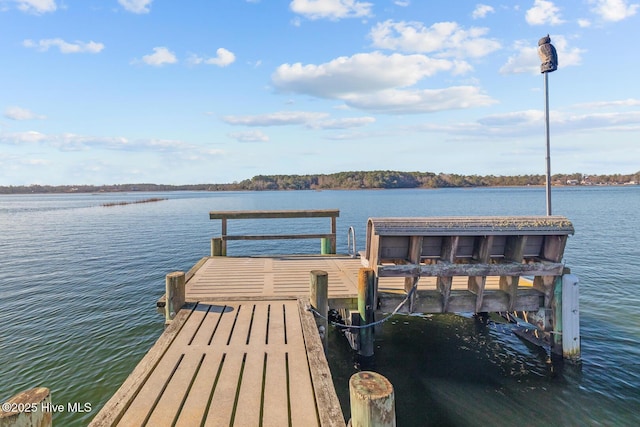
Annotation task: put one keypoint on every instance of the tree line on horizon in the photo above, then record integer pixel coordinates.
(343, 180)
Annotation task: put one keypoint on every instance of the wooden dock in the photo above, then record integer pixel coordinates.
(243, 363)
(243, 347)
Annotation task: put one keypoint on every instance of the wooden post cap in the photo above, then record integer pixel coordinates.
(372, 400)
(28, 408)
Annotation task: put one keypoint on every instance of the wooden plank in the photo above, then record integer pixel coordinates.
(315, 213)
(197, 400)
(462, 301)
(276, 398)
(330, 413)
(481, 254)
(470, 226)
(278, 236)
(473, 269)
(304, 411)
(249, 407)
(444, 282)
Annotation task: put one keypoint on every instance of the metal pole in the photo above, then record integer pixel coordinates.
(546, 116)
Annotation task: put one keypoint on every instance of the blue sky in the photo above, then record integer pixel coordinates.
(185, 92)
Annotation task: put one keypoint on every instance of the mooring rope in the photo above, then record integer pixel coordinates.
(368, 325)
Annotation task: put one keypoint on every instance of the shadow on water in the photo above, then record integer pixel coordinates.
(450, 370)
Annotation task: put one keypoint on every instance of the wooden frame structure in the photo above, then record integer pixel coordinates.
(221, 247)
(501, 248)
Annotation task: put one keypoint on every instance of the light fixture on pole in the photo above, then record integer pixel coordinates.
(549, 58)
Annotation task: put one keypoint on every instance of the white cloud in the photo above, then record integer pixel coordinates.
(481, 11)
(374, 82)
(136, 6)
(393, 101)
(614, 10)
(37, 6)
(280, 118)
(223, 58)
(447, 39)
(159, 57)
(630, 102)
(17, 113)
(64, 47)
(360, 73)
(346, 123)
(526, 59)
(73, 142)
(584, 23)
(249, 136)
(543, 12)
(22, 137)
(402, 3)
(331, 9)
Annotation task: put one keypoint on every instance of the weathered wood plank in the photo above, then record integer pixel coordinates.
(330, 414)
(470, 226)
(278, 236)
(473, 269)
(304, 412)
(293, 213)
(462, 301)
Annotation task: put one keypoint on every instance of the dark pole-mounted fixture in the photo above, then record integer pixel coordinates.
(549, 59)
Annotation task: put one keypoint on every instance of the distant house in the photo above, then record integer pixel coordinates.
(572, 182)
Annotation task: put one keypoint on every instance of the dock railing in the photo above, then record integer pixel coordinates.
(327, 240)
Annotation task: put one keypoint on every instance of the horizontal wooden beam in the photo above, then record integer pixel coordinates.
(280, 236)
(314, 213)
(472, 269)
(471, 226)
(462, 301)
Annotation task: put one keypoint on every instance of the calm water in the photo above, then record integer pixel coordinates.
(78, 285)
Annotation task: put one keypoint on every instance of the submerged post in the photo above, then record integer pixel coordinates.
(32, 408)
(175, 294)
(366, 307)
(372, 400)
(319, 298)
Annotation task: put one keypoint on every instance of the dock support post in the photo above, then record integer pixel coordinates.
(37, 412)
(366, 307)
(372, 400)
(217, 248)
(319, 298)
(175, 294)
(570, 318)
(325, 246)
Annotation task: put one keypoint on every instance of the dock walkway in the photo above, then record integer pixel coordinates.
(236, 363)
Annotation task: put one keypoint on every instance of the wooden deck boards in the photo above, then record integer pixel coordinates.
(240, 363)
(288, 277)
(273, 277)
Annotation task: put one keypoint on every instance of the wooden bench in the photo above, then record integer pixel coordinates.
(477, 247)
(328, 239)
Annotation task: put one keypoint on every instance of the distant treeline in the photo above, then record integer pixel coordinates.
(344, 180)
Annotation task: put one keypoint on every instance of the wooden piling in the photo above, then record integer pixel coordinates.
(32, 409)
(366, 309)
(372, 400)
(175, 294)
(217, 247)
(570, 318)
(319, 298)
